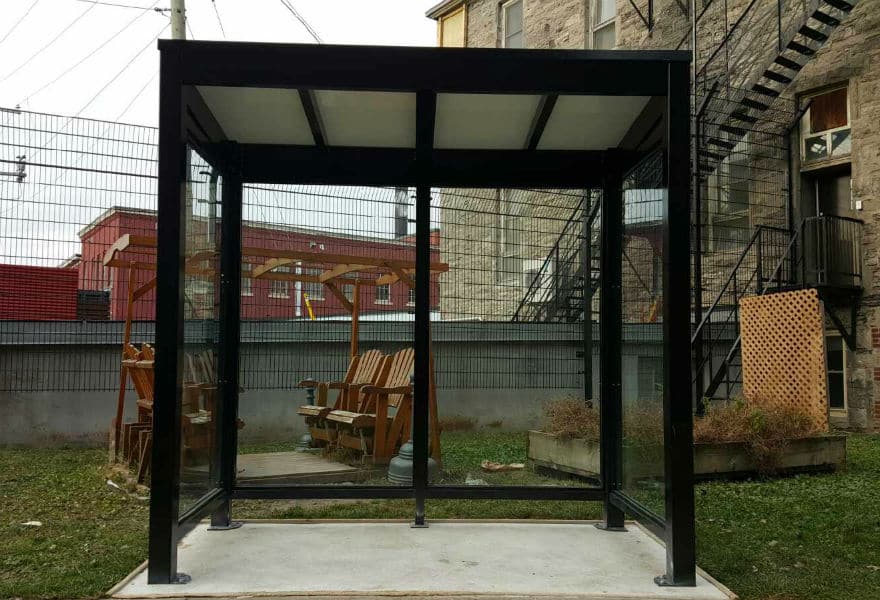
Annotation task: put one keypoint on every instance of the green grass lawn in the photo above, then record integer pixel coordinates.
(805, 537)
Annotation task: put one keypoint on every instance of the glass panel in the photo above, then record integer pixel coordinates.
(605, 38)
(512, 18)
(514, 405)
(829, 111)
(836, 390)
(297, 370)
(815, 147)
(834, 346)
(605, 10)
(201, 297)
(841, 142)
(642, 361)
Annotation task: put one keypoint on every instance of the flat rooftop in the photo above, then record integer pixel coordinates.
(501, 559)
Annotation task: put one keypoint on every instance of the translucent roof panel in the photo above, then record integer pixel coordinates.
(484, 121)
(259, 115)
(377, 119)
(590, 122)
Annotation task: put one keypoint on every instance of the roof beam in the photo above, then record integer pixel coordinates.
(313, 116)
(270, 265)
(343, 269)
(539, 122)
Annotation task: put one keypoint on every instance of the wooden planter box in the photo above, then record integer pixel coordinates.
(728, 459)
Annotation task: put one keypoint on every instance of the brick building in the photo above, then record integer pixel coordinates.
(261, 298)
(29, 293)
(787, 106)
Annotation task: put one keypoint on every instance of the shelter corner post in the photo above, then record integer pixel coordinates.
(677, 391)
(610, 331)
(165, 478)
(426, 109)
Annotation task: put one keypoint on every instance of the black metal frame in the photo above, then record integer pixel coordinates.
(185, 120)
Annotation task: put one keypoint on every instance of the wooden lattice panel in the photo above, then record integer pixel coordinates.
(783, 352)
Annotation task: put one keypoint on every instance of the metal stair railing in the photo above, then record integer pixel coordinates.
(562, 266)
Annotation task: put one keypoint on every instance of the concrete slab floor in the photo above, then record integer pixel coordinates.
(448, 559)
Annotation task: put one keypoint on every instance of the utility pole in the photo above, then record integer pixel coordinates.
(178, 19)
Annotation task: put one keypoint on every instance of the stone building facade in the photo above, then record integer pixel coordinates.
(848, 60)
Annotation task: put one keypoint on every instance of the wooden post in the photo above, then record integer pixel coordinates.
(355, 314)
(123, 372)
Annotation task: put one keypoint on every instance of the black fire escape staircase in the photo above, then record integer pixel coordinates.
(562, 290)
(735, 90)
(823, 254)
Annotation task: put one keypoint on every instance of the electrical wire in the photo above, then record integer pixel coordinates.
(93, 52)
(302, 20)
(220, 21)
(136, 96)
(118, 5)
(52, 41)
(101, 91)
(22, 18)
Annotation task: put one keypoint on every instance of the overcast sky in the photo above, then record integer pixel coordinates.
(387, 22)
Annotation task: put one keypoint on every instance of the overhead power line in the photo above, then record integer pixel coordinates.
(289, 6)
(52, 41)
(93, 52)
(220, 21)
(22, 18)
(120, 5)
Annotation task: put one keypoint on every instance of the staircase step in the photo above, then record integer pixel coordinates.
(741, 116)
(723, 143)
(800, 48)
(713, 155)
(813, 34)
(788, 63)
(778, 77)
(825, 18)
(734, 130)
(763, 89)
(754, 104)
(840, 5)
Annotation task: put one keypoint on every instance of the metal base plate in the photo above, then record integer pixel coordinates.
(181, 578)
(232, 525)
(605, 527)
(417, 525)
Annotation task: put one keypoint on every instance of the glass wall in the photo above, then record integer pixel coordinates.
(642, 309)
(201, 310)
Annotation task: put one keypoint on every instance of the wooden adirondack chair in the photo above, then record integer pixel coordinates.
(383, 420)
(362, 370)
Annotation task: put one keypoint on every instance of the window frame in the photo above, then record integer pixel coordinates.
(596, 25)
(507, 220)
(505, 7)
(320, 296)
(384, 301)
(247, 268)
(826, 134)
(273, 282)
(441, 26)
(836, 410)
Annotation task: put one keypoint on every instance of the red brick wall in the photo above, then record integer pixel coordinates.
(37, 293)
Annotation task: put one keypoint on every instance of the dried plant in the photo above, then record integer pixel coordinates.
(764, 428)
(570, 418)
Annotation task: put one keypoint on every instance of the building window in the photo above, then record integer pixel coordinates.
(314, 289)
(728, 194)
(246, 281)
(411, 297)
(512, 24)
(383, 294)
(510, 264)
(348, 291)
(280, 288)
(835, 357)
(604, 27)
(451, 29)
(825, 127)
